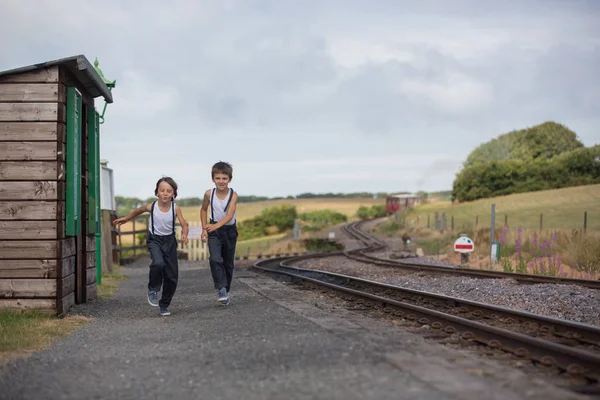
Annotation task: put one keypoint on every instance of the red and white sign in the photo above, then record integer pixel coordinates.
(464, 245)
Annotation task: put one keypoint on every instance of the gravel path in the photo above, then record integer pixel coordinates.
(569, 302)
(252, 349)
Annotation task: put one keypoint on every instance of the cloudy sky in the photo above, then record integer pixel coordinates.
(317, 96)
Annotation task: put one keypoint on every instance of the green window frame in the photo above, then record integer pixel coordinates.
(73, 163)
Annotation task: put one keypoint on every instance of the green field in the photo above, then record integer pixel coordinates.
(560, 209)
(251, 210)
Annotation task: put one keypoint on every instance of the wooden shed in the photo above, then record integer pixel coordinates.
(49, 184)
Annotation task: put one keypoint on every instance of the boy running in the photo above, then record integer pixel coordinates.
(221, 232)
(162, 245)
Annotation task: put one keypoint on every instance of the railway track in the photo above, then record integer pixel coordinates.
(372, 244)
(572, 348)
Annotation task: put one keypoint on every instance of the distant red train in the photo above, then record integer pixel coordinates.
(401, 201)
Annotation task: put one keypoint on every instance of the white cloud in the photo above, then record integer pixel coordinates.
(455, 94)
(339, 96)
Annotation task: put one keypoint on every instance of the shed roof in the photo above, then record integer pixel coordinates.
(79, 66)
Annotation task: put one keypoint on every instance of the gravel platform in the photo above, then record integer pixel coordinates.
(272, 342)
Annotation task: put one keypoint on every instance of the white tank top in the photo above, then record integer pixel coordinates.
(217, 207)
(162, 223)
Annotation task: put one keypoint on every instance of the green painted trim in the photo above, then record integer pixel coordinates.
(73, 163)
(93, 172)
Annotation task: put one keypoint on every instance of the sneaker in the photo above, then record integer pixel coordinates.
(223, 297)
(226, 302)
(153, 299)
(164, 311)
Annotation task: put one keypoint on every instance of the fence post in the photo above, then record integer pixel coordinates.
(505, 219)
(134, 237)
(120, 244)
(493, 225)
(428, 222)
(584, 221)
(453, 223)
(476, 221)
(541, 221)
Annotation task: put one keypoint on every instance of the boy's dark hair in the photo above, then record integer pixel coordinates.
(170, 181)
(223, 168)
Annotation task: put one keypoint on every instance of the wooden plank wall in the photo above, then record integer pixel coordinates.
(36, 259)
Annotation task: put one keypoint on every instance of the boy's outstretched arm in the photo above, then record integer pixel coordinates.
(204, 214)
(184, 226)
(133, 214)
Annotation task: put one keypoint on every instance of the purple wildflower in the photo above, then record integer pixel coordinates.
(555, 237)
(535, 239)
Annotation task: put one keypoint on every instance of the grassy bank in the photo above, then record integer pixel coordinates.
(559, 248)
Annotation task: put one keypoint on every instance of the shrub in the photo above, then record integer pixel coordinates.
(498, 178)
(324, 217)
(283, 217)
(375, 211)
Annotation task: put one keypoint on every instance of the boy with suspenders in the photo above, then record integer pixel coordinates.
(221, 232)
(162, 245)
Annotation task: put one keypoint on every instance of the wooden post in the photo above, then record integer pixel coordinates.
(584, 221)
(120, 245)
(428, 221)
(134, 237)
(541, 221)
(476, 221)
(505, 219)
(453, 223)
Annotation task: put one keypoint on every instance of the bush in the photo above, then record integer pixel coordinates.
(252, 228)
(375, 211)
(322, 245)
(498, 178)
(544, 141)
(324, 217)
(363, 212)
(283, 217)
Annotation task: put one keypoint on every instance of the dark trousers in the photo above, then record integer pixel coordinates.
(164, 269)
(221, 245)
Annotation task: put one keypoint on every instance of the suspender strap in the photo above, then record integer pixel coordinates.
(152, 217)
(212, 213)
(229, 200)
(173, 208)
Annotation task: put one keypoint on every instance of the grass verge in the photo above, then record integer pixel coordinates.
(110, 283)
(22, 333)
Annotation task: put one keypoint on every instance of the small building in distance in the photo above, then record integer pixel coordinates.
(49, 184)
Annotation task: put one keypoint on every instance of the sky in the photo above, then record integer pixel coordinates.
(317, 96)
